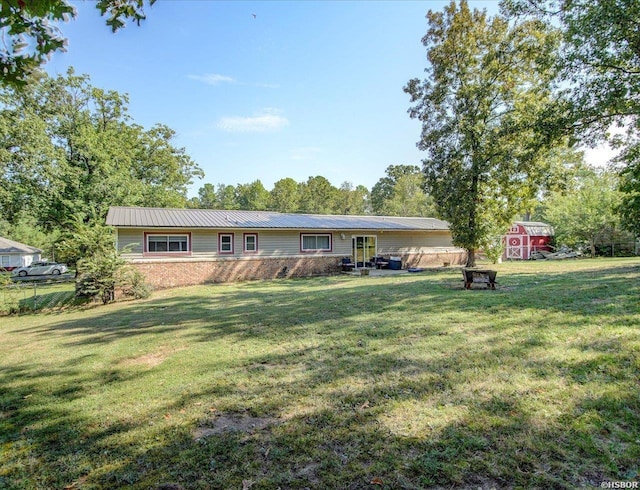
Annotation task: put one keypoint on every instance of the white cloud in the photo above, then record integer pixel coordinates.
(217, 79)
(213, 78)
(267, 121)
(304, 153)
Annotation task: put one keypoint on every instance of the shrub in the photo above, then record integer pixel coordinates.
(103, 274)
(132, 284)
(98, 276)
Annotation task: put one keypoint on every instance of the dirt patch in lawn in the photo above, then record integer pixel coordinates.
(233, 423)
(153, 358)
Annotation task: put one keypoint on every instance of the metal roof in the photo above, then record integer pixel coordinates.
(536, 228)
(10, 247)
(137, 217)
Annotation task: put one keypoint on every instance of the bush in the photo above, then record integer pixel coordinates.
(104, 274)
(132, 284)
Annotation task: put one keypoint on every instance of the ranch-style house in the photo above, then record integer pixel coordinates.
(178, 247)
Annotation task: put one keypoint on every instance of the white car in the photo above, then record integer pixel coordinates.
(40, 269)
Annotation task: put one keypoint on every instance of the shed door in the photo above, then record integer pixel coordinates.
(515, 247)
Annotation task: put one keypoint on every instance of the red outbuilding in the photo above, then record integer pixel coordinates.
(526, 237)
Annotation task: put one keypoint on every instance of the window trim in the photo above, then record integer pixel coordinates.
(233, 247)
(168, 253)
(316, 250)
(244, 243)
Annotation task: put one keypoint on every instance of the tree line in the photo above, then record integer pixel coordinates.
(399, 193)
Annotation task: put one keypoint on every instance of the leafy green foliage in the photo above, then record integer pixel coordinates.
(84, 240)
(285, 196)
(383, 189)
(252, 196)
(9, 299)
(352, 200)
(31, 36)
(69, 151)
(600, 56)
(629, 207)
(99, 276)
(103, 275)
(131, 283)
(401, 193)
(487, 92)
(316, 195)
(588, 214)
(600, 60)
(26, 230)
(121, 10)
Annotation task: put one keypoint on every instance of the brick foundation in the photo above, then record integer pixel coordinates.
(168, 274)
(162, 274)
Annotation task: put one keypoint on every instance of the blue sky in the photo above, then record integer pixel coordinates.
(304, 88)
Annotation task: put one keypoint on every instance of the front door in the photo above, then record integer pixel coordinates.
(364, 249)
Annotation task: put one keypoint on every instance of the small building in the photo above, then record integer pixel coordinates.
(179, 247)
(525, 237)
(14, 254)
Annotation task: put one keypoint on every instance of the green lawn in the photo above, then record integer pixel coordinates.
(338, 382)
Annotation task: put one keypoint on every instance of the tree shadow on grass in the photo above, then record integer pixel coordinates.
(462, 392)
(291, 306)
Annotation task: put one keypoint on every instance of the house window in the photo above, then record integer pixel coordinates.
(168, 243)
(315, 243)
(225, 243)
(5, 260)
(250, 242)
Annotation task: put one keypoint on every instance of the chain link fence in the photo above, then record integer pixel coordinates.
(25, 295)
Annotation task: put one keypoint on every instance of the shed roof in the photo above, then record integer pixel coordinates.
(10, 247)
(138, 217)
(536, 228)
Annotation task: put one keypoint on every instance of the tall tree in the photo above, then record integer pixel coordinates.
(285, 196)
(629, 207)
(318, 196)
(383, 190)
(352, 200)
(207, 198)
(252, 196)
(31, 36)
(488, 83)
(409, 199)
(227, 197)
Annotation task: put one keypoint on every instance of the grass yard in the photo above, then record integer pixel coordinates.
(337, 382)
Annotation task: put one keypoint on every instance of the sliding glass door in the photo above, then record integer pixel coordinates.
(364, 249)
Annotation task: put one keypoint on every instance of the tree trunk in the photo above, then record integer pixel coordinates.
(471, 257)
